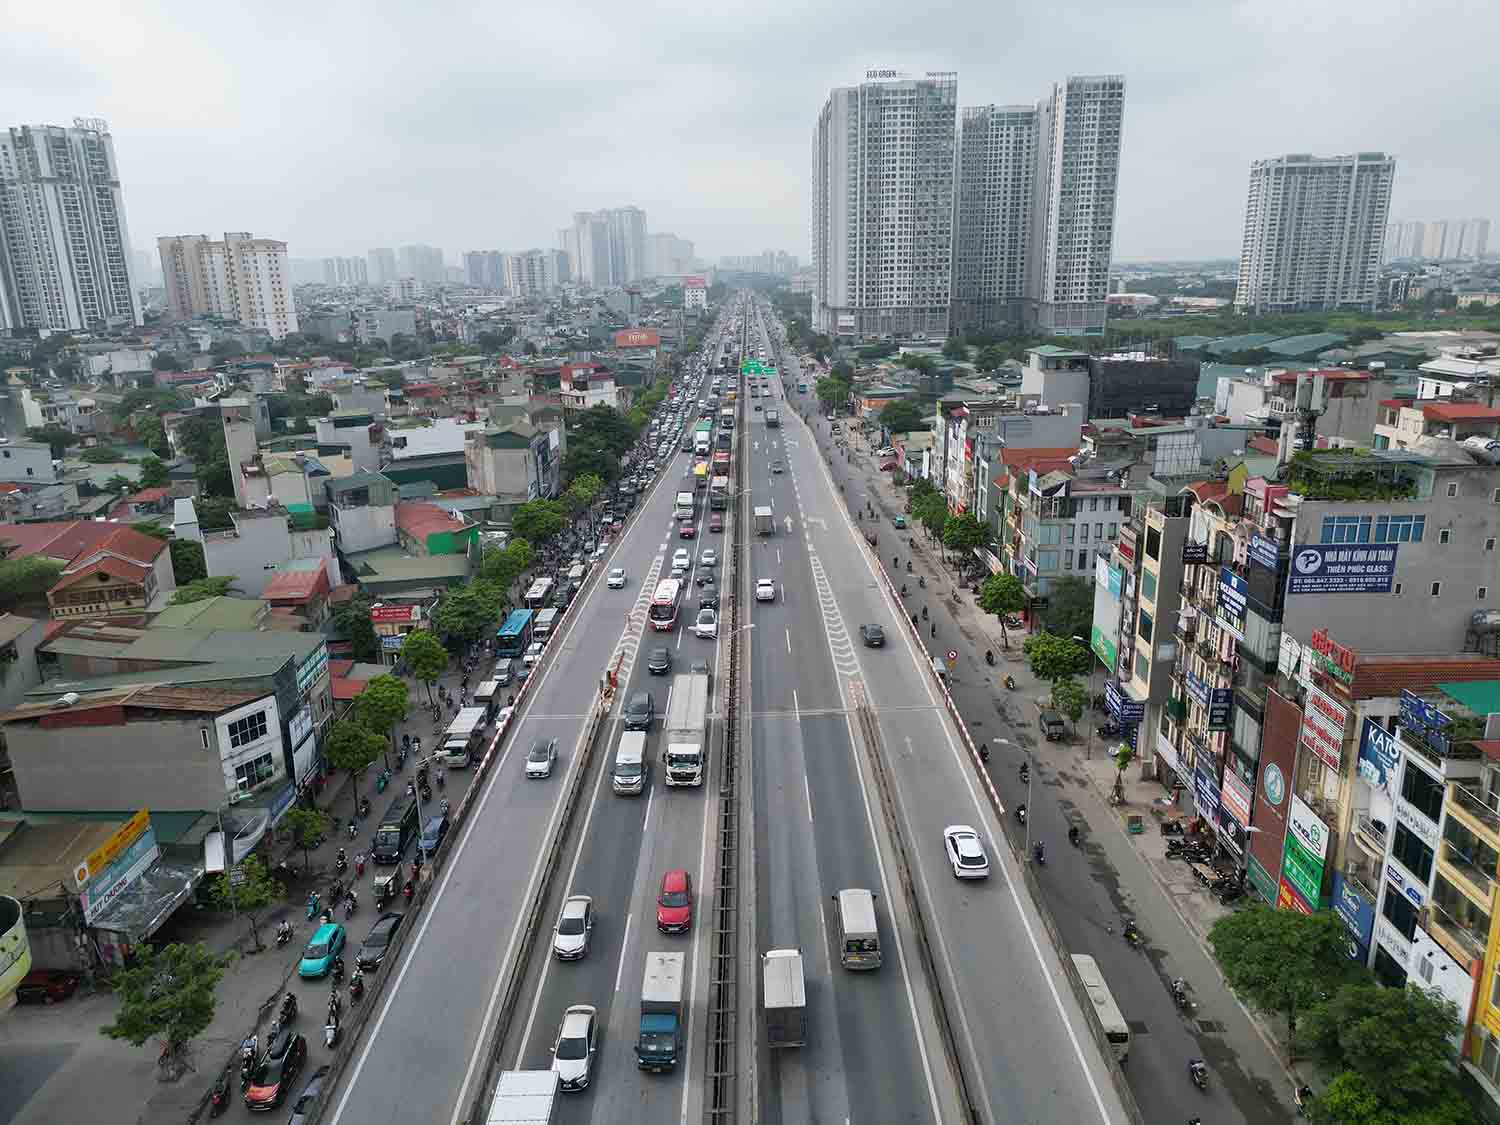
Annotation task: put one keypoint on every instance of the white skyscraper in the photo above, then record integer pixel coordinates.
(65, 253)
(996, 174)
(242, 278)
(531, 273)
(382, 265)
(627, 240)
(882, 205)
(1314, 232)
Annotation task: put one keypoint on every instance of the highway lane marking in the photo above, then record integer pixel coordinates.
(702, 939)
(624, 949)
(827, 957)
(789, 640)
(541, 984)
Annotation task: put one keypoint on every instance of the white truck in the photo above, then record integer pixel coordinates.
(464, 736)
(785, 994)
(683, 509)
(765, 522)
(685, 734)
(524, 1097)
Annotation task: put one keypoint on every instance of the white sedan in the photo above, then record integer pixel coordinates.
(966, 852)
(709, 557)
(533, 653)
(707, 625)
(617, 578)
(765, 590)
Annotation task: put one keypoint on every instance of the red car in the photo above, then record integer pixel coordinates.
(46, 986)
(716, 522)
(889, 466)
(674, 906)
(686, 531)
(275, 1072)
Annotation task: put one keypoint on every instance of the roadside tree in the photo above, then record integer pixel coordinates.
(250, 894)
(167, 994)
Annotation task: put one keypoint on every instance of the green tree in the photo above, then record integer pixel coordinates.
(901, 416)
(931, 512)
(843, 369)
(585, 490)
(153, 472)
(1002, 595)
(965, 534)
(226, 349)
(425, 656)
(538, 520)
(921, 487)
(501, 566)
(152, 528)
(955, 349)
(1070, 607)
(1351, 1100)
(923, 364)
(56, 437)
(1070, 697)
(1054, 658)
(167, 361)
(384, 703)
(607, 428)
(188, 563)
(202, 589)
(990, 358)
(352, 621)
(309, 828)
(832, 391)
(119, 483)
(250, 895)
(150, 433)
(1398, 1040)
(354, 747)
(469, 612)
(1282, 961)
(529, 348)
(167, 994)
(26, 579)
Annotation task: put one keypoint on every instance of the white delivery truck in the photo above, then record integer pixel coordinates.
(524, 1097)
(464, 737)
(785, 995)
(685, 735)
(684, 507)
(765, 522)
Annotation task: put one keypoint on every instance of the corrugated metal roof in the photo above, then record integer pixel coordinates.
(1480, 696)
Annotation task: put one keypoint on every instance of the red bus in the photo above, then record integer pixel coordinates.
(664, 604)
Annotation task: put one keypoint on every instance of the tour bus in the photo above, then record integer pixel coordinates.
(538, 593)
(1116, 1030)
(397, 829)
(514, 635)
(665, 604)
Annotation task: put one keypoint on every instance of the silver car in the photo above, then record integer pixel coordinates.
(573, 1053)
(575, 925)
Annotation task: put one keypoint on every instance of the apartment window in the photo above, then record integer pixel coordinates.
(1414, 855)
(1452, 488)
(1396, 589)
(1083, 533)
(1423, 792)
(248, 729)
(1153, 543)
(249, 774)
(1400, 912)
(1437, 590)
(1481, 593)
(1346, 529)
(1067, 557)
(1094, 504)
(1071, 530)
(1445, 536)
(1148, 585)
(1145, 628)
(1489, 544)
(1083, 560)
(1114, 530)
(1398, 529)
(1495, 496)
(1142, 670)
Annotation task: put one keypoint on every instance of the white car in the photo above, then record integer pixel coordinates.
(533, 653)
(540, 758)
(965, 852)
(765, 590)
(617, 578)
(575, 925)
(680, 558)
(709, 557)
(573, 1053)
(707, 625)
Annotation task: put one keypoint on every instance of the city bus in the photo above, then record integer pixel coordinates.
(1116, 1030)
(514, 634)
(665, 604)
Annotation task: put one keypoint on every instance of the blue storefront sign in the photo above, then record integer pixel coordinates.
(1378, 757)
(1196, 688)
(1232, 592)
(1219, 702)
(1357, 913)
(1263, 551)
(1126, 711)
(1325, 568)
(1206, 794)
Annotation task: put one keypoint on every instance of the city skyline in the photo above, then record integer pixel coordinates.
(697, 135)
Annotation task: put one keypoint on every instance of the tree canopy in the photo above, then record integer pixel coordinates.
(537, 521)
(425, 656)
(354, 747)
(468, 612)
(352, 620)
(167, 994)
(965, 533)
(832, 391)
(1070, 697)
(1054, 658)
(901, 416)
(188, 562)
(202, 589)
(26, 579)
(249, 895)
(384, 703)
(309, 828)
(1070, 607)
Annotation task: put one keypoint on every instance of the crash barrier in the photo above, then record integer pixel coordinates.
(871, 737)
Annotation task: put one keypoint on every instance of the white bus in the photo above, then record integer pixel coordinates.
(1116, 1030)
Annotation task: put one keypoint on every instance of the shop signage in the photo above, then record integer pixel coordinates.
(300, 726)
(1289, 898)
(1166, 751)
(1233, 591)
(1332, 658)
(1419, 715)
(1194, 552)
(1417, 824)
(1357, 913)
(1103, 647)
(1379, 756)
(1196, 688)
(1323, 727)
(1219, 702)
(1126, 711)
(1405, 883)
(312, 668)
(1262, 880)
(117, 876)
(1263, 551)
(1231, 832)
(1302, 858)
(1273, 785)
(109, 851)
(1289, 658)
(1205, 793)
(1393, 941)
(392, 644)
(1322, 568)
(1235, 796)
(395, 614)
(1108, 577)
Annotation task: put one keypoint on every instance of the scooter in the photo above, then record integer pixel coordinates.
(312, 904)
(218, 1101)
(1132, 935)
(341, 862)
(1021, 814)
(1039, 853)
(989, 657)
(364, 807)
(248, 1047)
(1073, 835)
(283, 933)
(1179, 993)
(357, 986)
(1198, 1072)
(331, 1030)
(382, 780)
(1302, 1095)
(1025, 773)
(351, 904)
(1010, 682)
(289, 1008)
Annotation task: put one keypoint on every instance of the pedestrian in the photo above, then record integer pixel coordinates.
(934, 630)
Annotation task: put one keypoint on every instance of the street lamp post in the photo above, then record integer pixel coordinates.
(1088, 744)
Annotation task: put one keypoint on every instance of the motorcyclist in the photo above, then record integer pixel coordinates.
(1073, 834)
(284, 931)
(1039, 852)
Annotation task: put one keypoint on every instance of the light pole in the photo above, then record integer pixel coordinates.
(1088, 744)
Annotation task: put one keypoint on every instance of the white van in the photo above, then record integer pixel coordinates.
(859, 936)
(629, 776)
(542, 628)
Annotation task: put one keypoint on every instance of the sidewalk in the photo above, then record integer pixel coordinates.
(55, 1066)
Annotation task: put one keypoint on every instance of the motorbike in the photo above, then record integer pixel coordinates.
(989, 657)
(353, 828)
(1010, 682)
(218, 1101)
(1302, 1095)
(1025, 773)
(335, 1001)
(1039, 853)
(1132, 935)
(1179, 993)
(1231, 894)
(364, 807)
(1198, 1072)
(351, 904)
(1073, 835)
(359, 863)
(1171, 828)
(382, 779)
(357, 986)
(984, 753)
(312, 904)
(283, 934)
(341, 862)
(289, 1007)
(1014, 623)
(408, 889)
(426, 792)
(444, 805)
(1021, 813)
(248, 1047)
(331, 1031)
(338, 969)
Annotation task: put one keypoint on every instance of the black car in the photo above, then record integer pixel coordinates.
(273, 1075)
(709, 600)
(659, 662)
(378, 940)
(639, 711)
(302, 1111)
(872, 635)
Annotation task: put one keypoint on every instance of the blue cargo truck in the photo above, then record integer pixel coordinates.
(661, 1012)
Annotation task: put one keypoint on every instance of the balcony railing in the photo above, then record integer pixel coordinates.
(1469, 939)
(1374, 834)
(1436, 748)
(1476, 808)
(1480, 880)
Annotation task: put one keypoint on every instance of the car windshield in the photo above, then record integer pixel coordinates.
(538, 754)
(269, 1072)
(571, 925)
(387, 838)
(316, 949)
(674, 898)
(628, 769)
(379, 937)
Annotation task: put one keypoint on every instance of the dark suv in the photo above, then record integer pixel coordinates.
(639, 711)
(659, 662)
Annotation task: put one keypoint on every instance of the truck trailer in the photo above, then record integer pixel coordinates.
(765, 522)
(685, 734)
(524, 1097)
(785, 994)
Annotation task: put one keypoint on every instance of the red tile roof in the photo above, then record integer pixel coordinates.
(295, 585)
(1044, 459)
(1381, 678)
(148, 495)
(1460, 412)
(420, 520)
(1262, 444)
(1330, 374)
(1395, 403)
(81, 539)
(115, 568)
(346, 688)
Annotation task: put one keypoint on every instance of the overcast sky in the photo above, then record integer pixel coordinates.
(340, 126)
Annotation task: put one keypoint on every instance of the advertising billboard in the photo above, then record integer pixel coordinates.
(1220, 700)
(1323, 727)
(116, 877)
(1197, 688)
(1235, 796)
(1302, 856)
(109, 851)
(1206, 794)
(395, 614)
(1263, 551)
(1233, 592)
(1379, 758)
(1278, 756)
(638, 338)
(1326, 568)
(1357, 913)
